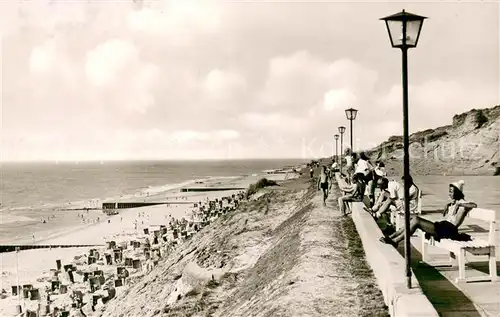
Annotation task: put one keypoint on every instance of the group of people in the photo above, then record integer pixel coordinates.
(371, 179)
(453, 216)
(384, 194)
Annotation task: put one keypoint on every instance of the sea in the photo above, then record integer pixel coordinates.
(34, 194)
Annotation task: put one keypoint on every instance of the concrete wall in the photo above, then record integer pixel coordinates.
(389, 269)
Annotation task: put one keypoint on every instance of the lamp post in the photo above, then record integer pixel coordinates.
(336, 137)
(404, 30)
(341, 131)
(19, 309)
(351, 116)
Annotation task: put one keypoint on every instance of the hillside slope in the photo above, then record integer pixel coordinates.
(280, 254)
(470, 146)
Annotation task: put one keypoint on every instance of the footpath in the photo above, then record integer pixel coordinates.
(434, 290)
(438, 283)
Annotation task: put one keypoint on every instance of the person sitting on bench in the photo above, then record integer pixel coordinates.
(453, 217)
(377, 174)
(355, 192)
(395, 194)
(383, 197)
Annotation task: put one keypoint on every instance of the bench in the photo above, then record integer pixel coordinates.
(398, 216)
(458, 249)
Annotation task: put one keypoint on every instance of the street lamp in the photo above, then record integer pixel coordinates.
(351, 116)
(341, 131)
(18, 307)
(404, 31)
(336, 137)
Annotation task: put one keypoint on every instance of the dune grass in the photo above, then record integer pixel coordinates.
(261, 183)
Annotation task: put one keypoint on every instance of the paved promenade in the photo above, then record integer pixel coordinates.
(448, 297)
(438, 283)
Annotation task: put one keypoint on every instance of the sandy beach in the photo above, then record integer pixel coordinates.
(34, 266)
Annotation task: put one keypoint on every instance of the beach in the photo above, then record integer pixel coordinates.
(46, 199)
(34, 266)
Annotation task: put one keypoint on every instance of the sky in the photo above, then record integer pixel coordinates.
(185, 79)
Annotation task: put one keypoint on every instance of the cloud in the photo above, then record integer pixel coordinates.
(301, 81)
(434, 102)
(294, 81)
(345, 73)
(187, 78)
(227, 134)
(50, 60)
(274, 123)
(338, 99)
(105, 62)
(187, 136)
(223, 85)
(43, 57)
(113, 144)
(115, 65)
(180, 21)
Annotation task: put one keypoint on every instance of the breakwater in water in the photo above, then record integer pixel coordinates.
(210, 189)
(115, 205)
(20, 247)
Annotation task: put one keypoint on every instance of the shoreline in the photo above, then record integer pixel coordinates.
(66, 215)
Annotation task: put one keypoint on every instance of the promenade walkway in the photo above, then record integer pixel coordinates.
(437, 283)
(448, 297)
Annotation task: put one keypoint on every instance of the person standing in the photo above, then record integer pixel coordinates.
(323, 183)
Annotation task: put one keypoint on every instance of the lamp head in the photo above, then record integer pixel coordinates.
(404, 29)
(351, 113)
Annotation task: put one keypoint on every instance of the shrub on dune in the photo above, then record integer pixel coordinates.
(261, 183)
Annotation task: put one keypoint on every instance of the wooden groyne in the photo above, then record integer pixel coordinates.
(126, 205)
(13, 247)
(209, 189)
(77, 209)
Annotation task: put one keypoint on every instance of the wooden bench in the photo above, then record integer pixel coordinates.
(398, 216)
(458, 249)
